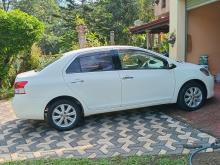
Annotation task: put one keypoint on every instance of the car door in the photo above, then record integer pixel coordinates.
(93, 77)
(145, 78)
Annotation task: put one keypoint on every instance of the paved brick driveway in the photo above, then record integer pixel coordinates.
(206, 119)
(145, 131)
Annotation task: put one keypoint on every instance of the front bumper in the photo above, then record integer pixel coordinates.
(210, 87)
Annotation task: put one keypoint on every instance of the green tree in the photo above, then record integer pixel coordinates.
(18, 32)
(32, 58)
(103, 16)
(145, 10)
(100, 16)
(46, 11)
(42, 9)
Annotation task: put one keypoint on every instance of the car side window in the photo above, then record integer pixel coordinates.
(74, 67)
(102, 61)
(134, 60)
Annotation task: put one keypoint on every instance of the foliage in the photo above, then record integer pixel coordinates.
(75, 46)
(41, 9)
(31, 59)
(18, 32)
(100, 16)
(145, 10)
(46, 11)
(68, 39)
(45, 60)
(138, 40)
(124, 13)
(23, 30)
(104, 16)
(35, 55)
(93, 40)
(164, 45)
(6, 93)
(79, 20)
(50, 43)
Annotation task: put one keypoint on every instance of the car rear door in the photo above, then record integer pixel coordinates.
(93, 77)
(145, 78)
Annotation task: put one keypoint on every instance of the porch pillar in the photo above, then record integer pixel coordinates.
(178, 28)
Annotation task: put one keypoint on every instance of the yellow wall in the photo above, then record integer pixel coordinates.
(204, 35)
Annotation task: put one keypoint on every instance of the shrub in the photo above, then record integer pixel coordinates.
(30, 59)
(18, 32)
(93, 40)
(47, 59)
(6, 93)
(138, 40)
(164, 45)
(34, 61)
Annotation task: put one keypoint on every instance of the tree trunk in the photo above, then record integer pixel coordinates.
(5, 5)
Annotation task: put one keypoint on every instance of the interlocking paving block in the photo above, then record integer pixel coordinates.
(144, 131)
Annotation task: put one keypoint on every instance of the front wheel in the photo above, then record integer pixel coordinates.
(191, 97)
(64, 115)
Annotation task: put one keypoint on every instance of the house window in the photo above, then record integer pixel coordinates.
(163, 3)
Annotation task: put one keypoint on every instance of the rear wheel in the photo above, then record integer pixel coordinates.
(64, 115)
(191, 97)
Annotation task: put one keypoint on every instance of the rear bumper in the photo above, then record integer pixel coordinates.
(28, 108)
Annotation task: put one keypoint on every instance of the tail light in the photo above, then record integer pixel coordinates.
(19, 87)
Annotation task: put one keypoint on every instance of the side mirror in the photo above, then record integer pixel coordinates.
(171, 66)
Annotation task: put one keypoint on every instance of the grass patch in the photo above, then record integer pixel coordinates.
(6, 93)
(131, 160)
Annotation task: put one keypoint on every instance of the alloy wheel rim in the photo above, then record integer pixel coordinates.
(193, 97)
(64, 115)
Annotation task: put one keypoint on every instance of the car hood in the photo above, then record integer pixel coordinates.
(188, 65)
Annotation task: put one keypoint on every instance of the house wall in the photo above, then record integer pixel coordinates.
(204, 35)
(159, 11)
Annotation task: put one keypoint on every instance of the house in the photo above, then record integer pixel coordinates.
(154, 29)
(195, 25)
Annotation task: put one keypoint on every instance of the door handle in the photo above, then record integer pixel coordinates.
(127, 77)
(77, 81)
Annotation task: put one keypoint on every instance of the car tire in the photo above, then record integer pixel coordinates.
(64, 115)
(191, 97)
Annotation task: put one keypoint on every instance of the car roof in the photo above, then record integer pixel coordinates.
(106, 48)
(101, 48)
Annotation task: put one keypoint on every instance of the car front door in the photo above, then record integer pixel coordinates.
(145, 78)
(94, 79)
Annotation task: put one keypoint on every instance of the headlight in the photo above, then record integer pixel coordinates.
(205, 71)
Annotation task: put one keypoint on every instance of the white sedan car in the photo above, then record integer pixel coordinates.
(106, 79)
